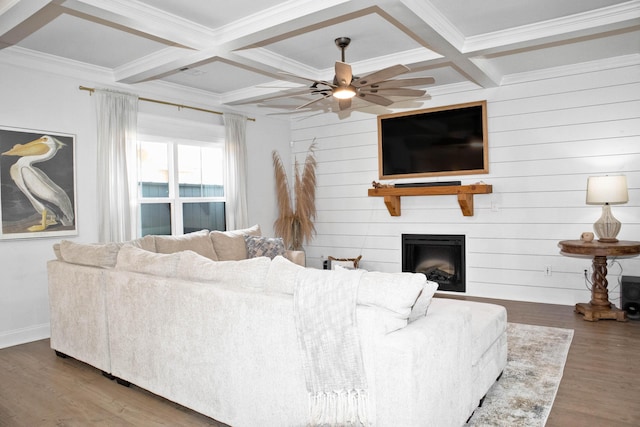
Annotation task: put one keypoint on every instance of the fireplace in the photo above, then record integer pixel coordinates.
(440, 257)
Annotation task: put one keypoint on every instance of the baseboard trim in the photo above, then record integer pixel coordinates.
(24, 335)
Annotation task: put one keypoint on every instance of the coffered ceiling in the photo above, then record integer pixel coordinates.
(238, 53)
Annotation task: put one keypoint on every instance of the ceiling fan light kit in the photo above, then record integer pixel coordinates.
(344, 92)
(375, 87)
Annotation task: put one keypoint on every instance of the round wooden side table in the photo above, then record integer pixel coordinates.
(599, 307)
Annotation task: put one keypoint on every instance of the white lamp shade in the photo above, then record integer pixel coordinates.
(610, 190)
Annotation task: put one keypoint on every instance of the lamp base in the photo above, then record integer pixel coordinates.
(607, 227)
(608, 240)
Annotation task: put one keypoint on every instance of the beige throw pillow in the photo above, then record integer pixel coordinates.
(198, 241)
(230, 245)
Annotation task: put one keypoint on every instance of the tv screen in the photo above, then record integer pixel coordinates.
(439, 141)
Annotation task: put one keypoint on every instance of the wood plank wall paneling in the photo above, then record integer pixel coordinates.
(546, 136)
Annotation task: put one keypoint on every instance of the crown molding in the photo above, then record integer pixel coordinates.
(91, 74)
(568, 70)
(586, 21)
(26, 58)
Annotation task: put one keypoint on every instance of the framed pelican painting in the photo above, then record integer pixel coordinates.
(37, 184)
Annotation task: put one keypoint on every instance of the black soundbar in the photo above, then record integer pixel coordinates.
(427, 184)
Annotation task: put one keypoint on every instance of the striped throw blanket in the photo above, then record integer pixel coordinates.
(325, 315)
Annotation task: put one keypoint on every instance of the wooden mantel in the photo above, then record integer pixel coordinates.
(465, 195)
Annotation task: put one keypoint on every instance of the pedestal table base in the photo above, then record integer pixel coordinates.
(593, 313)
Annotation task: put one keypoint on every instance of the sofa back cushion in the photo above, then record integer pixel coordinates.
(95, 255)
(248, 273)
(131, 258)
(198, 241)
(148, 243)
(230, 245)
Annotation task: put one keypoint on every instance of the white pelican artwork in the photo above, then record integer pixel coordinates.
(46, 196)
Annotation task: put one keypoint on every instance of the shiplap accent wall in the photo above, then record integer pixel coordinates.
(547, 133)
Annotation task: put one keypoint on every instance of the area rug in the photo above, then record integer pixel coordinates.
(524, 394)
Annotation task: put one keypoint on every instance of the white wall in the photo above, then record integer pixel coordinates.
(34, 99)
(547, 134)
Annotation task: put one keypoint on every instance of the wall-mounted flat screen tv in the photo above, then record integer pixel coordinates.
(440, 141)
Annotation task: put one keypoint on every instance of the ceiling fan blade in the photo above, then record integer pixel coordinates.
(343, 74)
(312, 102)
(375, 99)
(344, 104)
(320, 82)
(394, 91)
(417, 81)
(381, 75)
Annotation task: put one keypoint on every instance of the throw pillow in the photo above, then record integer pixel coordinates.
(249, 273)
(421, 306)
(396, 292)
(198, 241)
(230, 246)
(131, 258)
(94, 255)
(270, 247)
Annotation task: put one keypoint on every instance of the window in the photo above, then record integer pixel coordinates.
(180, 186)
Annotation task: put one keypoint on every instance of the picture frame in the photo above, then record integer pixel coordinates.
(37, 184)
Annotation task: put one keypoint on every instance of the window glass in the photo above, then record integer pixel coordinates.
(181, 187)
(155, 218)
(153, 169)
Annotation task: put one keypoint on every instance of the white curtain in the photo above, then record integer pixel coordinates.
(117, 117)
(235, 188)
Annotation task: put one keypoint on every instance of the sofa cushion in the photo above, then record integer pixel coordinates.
(148, 243)
(488, 322)
(421, 306)
(395, 292)
(230, 245)
(258, 246)
(197, 241)
(94, 255)
(131, 258)
(249, 273)
(281, 277)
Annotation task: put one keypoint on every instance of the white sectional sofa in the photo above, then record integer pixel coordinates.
(220, 337)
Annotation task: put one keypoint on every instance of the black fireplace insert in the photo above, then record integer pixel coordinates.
(440, 257)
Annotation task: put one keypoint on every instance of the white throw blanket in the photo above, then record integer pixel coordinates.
(325, 314)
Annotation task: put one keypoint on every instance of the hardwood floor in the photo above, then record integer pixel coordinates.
(600, 385)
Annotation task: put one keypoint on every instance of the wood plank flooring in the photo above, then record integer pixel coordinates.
(600, 386)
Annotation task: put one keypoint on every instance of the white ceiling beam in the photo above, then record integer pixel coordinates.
(231, 39)
(19, 19)
(138, 18)
(440, 36)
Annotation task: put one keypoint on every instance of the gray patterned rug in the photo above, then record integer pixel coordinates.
(525, 393)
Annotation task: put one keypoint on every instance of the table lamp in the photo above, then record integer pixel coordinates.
(605, 191)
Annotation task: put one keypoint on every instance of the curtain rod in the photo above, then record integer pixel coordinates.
(90, 89)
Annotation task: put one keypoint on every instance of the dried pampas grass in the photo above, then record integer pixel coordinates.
(295, 219)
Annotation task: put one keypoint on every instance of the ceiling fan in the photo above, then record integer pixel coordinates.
(373, 88)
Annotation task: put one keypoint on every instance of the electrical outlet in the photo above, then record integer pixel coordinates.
(547, 270)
